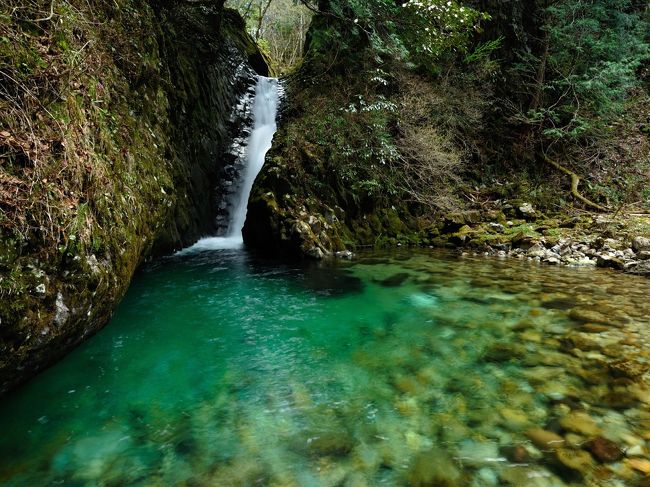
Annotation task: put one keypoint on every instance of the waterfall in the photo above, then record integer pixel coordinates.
(264, 112)
(265, 108)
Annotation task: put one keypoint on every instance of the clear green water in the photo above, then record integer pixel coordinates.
(400, 369)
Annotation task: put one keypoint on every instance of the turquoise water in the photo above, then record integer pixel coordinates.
(394, 369)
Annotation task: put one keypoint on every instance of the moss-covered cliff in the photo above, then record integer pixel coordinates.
(113, 119)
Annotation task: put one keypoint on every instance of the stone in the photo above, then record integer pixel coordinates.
(580, 341)
(497, 227)
(640, 464)
(587, 315)
(485, 477)
(610, 262)
(526, 210)
(545, 440)
(529, 476)
(514, 419)
(344, 254)
(315, 253)
(641, 268)
(478, 453)
(641, 244)
(433, 468)
(618, 398)
(503, 352)
(516, 454)
(335, 443)
(635, 451)
(604, 450)
(62, 311)
(580, 422)
(593, 328)
(627, 368)
(577, 461)
(395, 280)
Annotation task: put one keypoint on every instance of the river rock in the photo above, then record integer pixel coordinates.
(580, 422)
(526, 210)
(641, 244)
(640, 464)
(526, 476)
(577, 461)
(503, 352)
(641, 268)
(478, 453)
(593, 328)
(604, 450)
(335, 443)
(433, 468)
(514, 419)
(485, 477)
(635, 451)
(643, 255)
(516, 454)
(587, 315)
(545, 440)
(610, 262)
(627, 368)
(580, 341)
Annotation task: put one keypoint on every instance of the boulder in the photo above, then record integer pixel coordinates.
(604, 450)
(610, 262)
(641, 244)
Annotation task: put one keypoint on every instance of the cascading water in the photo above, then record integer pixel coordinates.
(265, 108)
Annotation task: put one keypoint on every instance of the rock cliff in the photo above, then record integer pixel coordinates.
(114, 121)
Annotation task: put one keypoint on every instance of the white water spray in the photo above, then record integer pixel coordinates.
(265, 108)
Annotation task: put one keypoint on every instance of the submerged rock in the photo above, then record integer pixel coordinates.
(627, 368)
(395, 280)
(604, 450)
(640, 464)
(545, 440)
(478, 453)
(335, 443)
(580, 422)
(588, 315)
(502, 352)
(516, 454)
(433, 468)
(575, 461)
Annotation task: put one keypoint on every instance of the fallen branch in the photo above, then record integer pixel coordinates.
(49, 17)
(575, 180)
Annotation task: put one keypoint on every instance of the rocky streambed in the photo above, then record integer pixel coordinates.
(410, 368)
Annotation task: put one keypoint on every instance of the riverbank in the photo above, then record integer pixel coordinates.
(616, 241)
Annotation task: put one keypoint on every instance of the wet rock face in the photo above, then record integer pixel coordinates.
(234, 159)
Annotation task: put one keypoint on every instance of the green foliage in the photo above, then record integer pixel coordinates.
(593, 51)
(420, 31)
(278, 26)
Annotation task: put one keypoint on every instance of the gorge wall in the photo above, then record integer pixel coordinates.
(114, 121)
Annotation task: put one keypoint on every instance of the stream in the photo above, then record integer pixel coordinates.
(403, 368)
